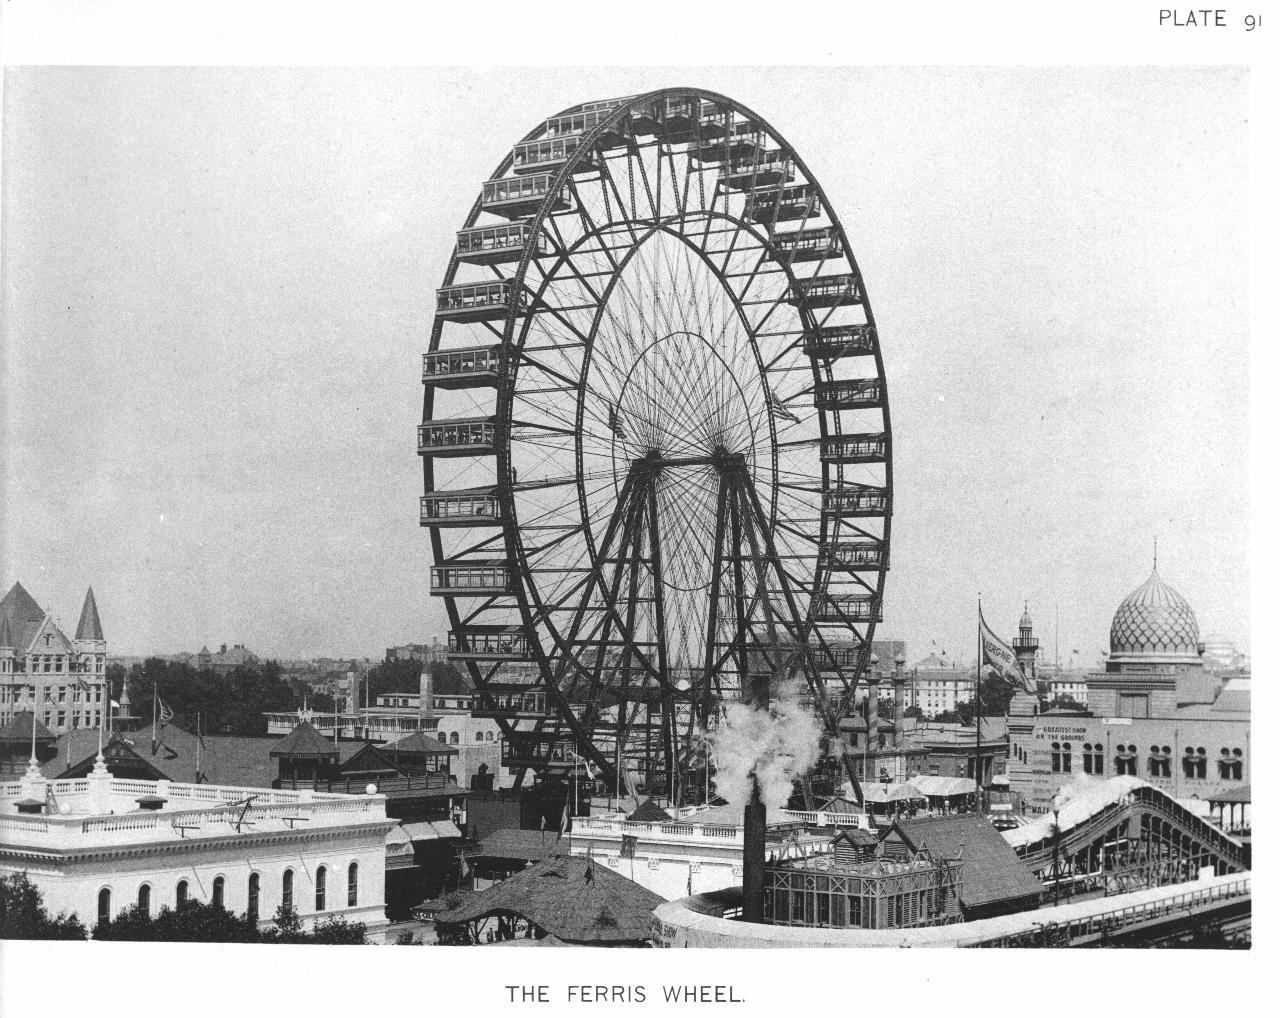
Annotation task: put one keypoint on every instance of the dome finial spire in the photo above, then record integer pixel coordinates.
(1155, 552)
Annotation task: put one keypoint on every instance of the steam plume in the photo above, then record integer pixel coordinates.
(778, 744)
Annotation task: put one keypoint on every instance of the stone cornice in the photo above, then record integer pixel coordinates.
(189, 846)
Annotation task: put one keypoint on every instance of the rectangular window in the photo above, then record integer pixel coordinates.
(1133, 705)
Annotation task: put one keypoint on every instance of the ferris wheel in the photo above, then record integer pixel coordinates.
(655, 437)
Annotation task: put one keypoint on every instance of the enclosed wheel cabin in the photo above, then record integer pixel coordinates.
(681, 118)
(811, 245)
(474, 507)
(848, 394)
(496, 245)
(550, 154)
(470, 436)
(869, 448)
(513, 701)
(472, 577)
(853, 501)
(488, 643)
(825, 291)
(853, 556)
(517, 197)
(835, 341)
(479, 302)
(465, 368)
(765, 168)
(782, 204)
(743, 141)
(841, 608)
(584, 122)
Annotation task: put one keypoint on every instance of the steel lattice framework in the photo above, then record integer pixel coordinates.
(655, 441)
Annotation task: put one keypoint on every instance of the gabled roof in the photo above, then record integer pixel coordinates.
(572, 898)
(237, 760)
(25, 616)
(115, 753)
(366, 759)
(992, 870)
(418, 743)
(19, 729)
(650, 812)
(90, 627)
(305, 741)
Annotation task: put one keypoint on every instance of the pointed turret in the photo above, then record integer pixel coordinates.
(6, 633)
(90, 627)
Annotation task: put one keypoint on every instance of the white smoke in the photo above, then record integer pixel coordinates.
(778, 745)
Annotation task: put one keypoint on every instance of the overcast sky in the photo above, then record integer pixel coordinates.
(218, 284)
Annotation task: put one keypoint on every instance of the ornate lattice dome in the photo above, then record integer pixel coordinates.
(1155, 621)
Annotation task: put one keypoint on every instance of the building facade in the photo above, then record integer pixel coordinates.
(62, 681)
(1155, 712)
(939, 684)
(99, 845)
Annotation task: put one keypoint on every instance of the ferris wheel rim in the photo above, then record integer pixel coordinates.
(533, 615)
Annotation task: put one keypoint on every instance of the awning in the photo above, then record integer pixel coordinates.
(432, 830)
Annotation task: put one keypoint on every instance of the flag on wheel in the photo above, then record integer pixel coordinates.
(166, 712)
(1000, 656)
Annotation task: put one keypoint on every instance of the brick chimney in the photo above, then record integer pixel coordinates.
(426, 693)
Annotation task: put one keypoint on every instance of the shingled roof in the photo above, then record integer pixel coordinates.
(418, 742)
(992, 872)
(19, 729)
(237, 760)
(24, 615)
(572, 898)
(305, 741)
(650, 812)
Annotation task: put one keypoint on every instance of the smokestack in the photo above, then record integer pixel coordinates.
(899, 697)
(753, 824)
(426, 693)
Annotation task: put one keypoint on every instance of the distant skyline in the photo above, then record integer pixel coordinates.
(218, 282)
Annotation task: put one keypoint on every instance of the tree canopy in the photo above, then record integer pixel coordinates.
(231, 703)
(24, 917)
(205, 922)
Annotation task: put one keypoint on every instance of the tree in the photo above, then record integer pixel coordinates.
(191, 922)
(913, 711)
(23, 915)
(234, 703)
(287, 929)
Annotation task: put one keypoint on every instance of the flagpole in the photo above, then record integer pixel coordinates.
(153, 719)
(977, 719)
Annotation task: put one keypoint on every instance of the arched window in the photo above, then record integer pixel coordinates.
(321, 873)
(182, 893)
(1066, 758)
(353, 885)
(479, 736)
(286, 891)
(252, 910)
(104, 906)
(1194, 763)
(1231, 765)
(219, 891)
(1158, 762)
(1092, 758)
(1127, 759)
(144, 899)
(488, 736)
(453, 738)
(1055, 757)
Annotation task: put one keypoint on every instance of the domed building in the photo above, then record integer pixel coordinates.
(1154, 626)
(1154, 712)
